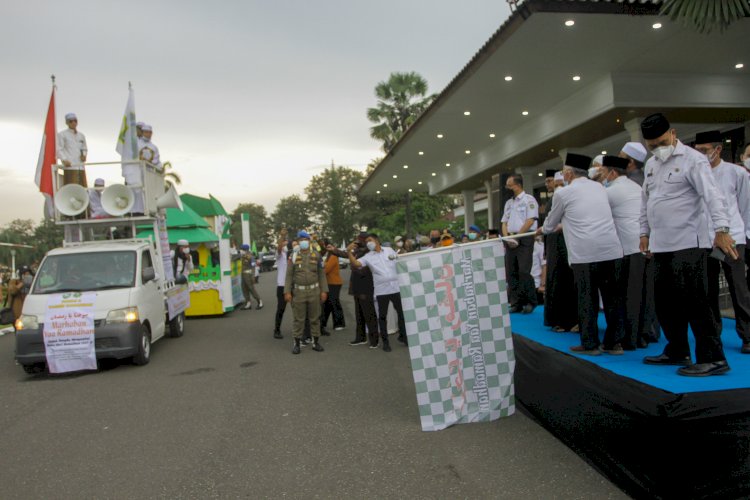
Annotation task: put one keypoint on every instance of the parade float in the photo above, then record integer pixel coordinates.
(215, 282)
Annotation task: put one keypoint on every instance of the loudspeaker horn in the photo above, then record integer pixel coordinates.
(170, 199)
(71, 199)
(118, 199)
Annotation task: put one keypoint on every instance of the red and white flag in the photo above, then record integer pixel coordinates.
(47, 158)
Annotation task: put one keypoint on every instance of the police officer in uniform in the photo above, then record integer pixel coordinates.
(520, 216)
(248, 277)
(681, 207)
(306, 288)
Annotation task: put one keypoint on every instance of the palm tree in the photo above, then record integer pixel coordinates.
(705, 15)
(170, 176)
(401, 100)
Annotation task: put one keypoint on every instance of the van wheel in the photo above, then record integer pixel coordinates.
(143, 356)
(177, 325)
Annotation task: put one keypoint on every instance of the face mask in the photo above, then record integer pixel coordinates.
(371, 246)
(746, 163)
(593, 172)
(186, 251)
(399, 244)
(711, 156)
(304, 244)
(472, 236)
(27, 280)
(663, 152)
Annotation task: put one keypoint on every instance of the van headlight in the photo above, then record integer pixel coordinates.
(126, 315)
(26, 322)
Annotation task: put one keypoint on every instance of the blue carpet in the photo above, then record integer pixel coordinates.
(631, 363)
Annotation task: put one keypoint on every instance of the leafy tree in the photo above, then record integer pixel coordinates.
(706, 15)
(47, 235)
(386, 214)
(260, 225)
(171, 178)
(44, 237)
(293, 213)
(335, 204)
(401, 100)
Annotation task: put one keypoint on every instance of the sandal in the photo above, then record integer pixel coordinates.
(559, 329)
(575, 329)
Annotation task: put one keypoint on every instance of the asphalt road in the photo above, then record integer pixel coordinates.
(228, 412)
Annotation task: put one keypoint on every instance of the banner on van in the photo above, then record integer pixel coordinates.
(69, 332)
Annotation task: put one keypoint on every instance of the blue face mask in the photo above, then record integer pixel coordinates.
(304, 244)
(472, 236)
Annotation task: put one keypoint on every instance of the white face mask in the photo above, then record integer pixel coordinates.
(186, 251)
(399, 244)
(371, 246)
(593, 172)
(663, 152)
(746, 163)
(711, 156)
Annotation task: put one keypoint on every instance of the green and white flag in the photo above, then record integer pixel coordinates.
(127, 140)
(458, 326)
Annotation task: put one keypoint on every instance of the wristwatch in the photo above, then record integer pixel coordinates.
(722, 229)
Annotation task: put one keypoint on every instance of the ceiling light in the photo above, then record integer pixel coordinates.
(434, 174)
(508, 78)
(377, 192)
(728, 140)
(440, 136)
(617, 121)
(492, 136)
(525, 113)
(385, 185)
(421, 153)
(406, 166)
(419, 182)
(656, 26)
(467, 113)
(569, 23)
(739, 66)
(539, 174)
(551, 150)
(468, 151)
(447, 164)
(410, 190)
(604, 152)
(395, 176)
(576, 78)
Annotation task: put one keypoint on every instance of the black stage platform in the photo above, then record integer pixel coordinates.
(650, 441)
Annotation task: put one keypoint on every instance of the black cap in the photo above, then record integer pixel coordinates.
(708, 137)
(654, 126)
(581, 162)
(549, 173)
(615, 162)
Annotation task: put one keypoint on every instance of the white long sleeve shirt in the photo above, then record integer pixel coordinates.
(70, 146)
(583, 209)
(383, 267)
(625, 201)
(733, 183)
(673, 198)
(148, 151)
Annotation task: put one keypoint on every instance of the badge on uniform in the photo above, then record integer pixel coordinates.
(677, 169)
(532, 206)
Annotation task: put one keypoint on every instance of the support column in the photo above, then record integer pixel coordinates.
(529, 177)
(491, 204)
(468, 208)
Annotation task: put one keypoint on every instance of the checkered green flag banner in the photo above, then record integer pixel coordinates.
(457, 323)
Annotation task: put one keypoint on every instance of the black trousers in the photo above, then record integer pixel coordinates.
(332, 306)
(280, 307)
(681, 293)
(592, 279)
(364, 314)
(734, 272)
(560, 303)
(521, 289)
(383, 301)
(635, 285)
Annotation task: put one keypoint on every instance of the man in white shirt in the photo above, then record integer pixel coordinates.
(677, 190)
(95, 200)
(382, 262)
(636, 154)
(519, 216)
(594, 252)
(733, 182)
(624, 197)
(72, 151)
(282, 260)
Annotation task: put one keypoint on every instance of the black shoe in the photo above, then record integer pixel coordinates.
(325, 332)
(317, 347)
(745, 348)
(402, 339)
(277, 335)
(386, 346)
(579, 349)
(358, 341)
(295, 349)
(528, 309)
(663, 359)
(704, 369)
(515, 309)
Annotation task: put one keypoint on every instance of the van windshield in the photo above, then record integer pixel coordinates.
(85, 272)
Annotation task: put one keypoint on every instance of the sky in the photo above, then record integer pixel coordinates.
(248, 99)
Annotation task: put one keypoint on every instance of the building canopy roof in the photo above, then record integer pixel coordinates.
(568, 74)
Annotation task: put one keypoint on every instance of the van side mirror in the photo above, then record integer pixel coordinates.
(148, 274)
